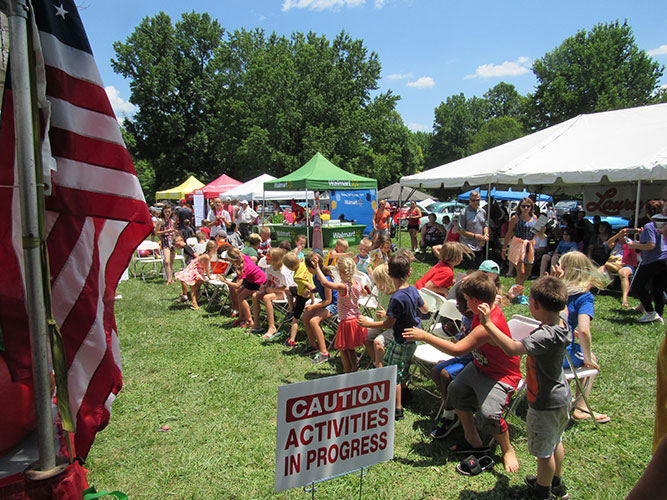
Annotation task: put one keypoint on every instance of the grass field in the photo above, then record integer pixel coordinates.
(216, 389)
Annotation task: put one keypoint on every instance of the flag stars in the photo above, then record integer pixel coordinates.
(60, 11)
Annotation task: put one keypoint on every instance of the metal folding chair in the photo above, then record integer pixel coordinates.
(148, 252)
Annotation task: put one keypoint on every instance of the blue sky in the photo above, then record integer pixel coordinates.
(429, 49)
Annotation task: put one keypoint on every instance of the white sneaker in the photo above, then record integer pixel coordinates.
(650, 317)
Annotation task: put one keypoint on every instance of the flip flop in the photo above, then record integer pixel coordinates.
(194, 308)
(599, 418)
(257, 330)
(471, 466)
(237, 322)
(271, 337)
(463, 446)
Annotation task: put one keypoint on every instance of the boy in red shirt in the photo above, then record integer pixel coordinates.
(486, 384)
(440, 278)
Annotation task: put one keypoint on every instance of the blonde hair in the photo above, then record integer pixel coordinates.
(291, 261)
(579, 273)
(366, 242)
(234, 255)
(277, 255)
(451, 253)
(254, 239)
(346, 268)
(343, 242)
(265, 230)
(382, 279)
(210, 245)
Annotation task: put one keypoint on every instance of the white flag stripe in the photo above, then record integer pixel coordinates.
(87, 177)
(67, 287)
(51, 219)
(84, 122)
(92, 350)
(74, 62)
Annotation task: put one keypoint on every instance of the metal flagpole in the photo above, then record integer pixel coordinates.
(488, 217)
(17, 13)
(400, 204)
(637, 202)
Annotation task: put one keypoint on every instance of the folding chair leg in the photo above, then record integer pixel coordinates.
(582, 392)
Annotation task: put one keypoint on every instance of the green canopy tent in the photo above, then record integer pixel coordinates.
(319, 174)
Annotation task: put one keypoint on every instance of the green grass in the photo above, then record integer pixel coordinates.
(216, 388)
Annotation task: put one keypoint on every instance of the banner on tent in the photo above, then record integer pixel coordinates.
(334, 425)
(619, 199)
(357, 205)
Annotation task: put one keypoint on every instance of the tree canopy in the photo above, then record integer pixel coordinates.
(247, 103)
(593, 71)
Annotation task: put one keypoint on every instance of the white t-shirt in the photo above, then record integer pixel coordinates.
(212, 216)
(279, 279)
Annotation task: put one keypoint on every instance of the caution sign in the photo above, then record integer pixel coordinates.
(334, 425)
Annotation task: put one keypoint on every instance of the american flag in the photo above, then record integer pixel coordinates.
(95, 217)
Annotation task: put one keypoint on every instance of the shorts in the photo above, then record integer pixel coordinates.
(299, 305)
(250, 285)
(383, 336)
(455, 365)
(473, 390)
(576, 355)
(632, 269)
(413, 226)
(332, 308)
(544, 430)
(401, 356)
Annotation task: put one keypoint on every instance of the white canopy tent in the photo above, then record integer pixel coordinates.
(254, 190)
(626, 145)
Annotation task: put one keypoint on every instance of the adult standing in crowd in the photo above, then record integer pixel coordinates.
(520, 250)
(217, 219)
(183, 213)
(228, 207)
(473, 229)
(381, 220)
(248, 216)
(166, 230)
(414, 214)
(651, 276)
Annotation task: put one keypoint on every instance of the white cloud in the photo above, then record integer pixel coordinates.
(416, 127)
(660, 51)
(425, 82)
(121, 107)
(398, 76)
(321, 4)
(379, 3)
(509, 68)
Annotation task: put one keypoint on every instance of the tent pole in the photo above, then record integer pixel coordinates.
(637, 202)
(307, 220)
(17, 12)
(400, 203)
(488, 217)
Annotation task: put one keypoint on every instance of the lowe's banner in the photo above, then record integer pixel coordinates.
(357, 206)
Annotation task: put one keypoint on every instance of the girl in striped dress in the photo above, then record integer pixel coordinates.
(520, 251)
(349, 334)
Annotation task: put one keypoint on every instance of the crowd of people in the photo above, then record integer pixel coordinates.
(484, 370)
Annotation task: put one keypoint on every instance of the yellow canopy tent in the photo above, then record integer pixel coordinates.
(179, 192)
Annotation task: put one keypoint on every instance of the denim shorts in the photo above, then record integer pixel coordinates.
(332, 308)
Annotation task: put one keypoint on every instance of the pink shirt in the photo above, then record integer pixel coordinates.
(348, 304)
(252, 272)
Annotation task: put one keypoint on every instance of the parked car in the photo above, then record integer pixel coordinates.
(566, 206)
(443, 208)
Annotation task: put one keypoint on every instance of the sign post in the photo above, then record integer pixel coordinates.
(334, 426)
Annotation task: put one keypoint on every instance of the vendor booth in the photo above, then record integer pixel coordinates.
(219, 186)
(179, 192)
(352, 198)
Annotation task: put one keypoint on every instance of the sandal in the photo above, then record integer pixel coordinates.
(237, 322)
(181, 299)
(472, 466)
(600, 418)
(194, 308)
(463, 446)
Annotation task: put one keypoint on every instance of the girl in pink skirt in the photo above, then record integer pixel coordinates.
(197, 271)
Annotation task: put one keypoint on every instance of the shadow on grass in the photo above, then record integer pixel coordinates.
(500, 489)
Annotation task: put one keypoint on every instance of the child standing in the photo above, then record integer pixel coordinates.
(278, 279)
(548, 391)
(363, 259)
(301, 292)
(349, 334)
(249, 278)
(377, 337)
(402, 315)
(485, 384)
(314, 314)
(265, 244)
(197, 271)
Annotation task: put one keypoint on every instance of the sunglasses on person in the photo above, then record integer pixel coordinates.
(525, 206)
(475, 199)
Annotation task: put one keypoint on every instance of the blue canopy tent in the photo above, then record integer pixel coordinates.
(504, 195)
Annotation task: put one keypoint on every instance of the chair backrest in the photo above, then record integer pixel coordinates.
(148, 250)
(521, 326)
(335, 273)
(192, 241)
(434, 302)
(448, 310)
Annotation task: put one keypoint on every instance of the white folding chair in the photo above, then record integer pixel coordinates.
(448, 311)
(434, 302)
(148, 252)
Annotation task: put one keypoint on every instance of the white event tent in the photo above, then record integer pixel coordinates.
(254, 190)
(625, 145)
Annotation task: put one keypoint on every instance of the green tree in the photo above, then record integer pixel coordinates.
(495, 132)
(599, 70)
(457, 120)
(504, 100)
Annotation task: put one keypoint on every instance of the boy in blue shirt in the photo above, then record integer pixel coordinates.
(402, 313)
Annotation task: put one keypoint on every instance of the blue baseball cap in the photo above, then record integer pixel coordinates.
(489, 266)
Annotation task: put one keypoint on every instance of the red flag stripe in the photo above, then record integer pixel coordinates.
(61, 238)
(66, 144)
(78, 92)
(74, 62)
(74, 201)
(83, 122)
